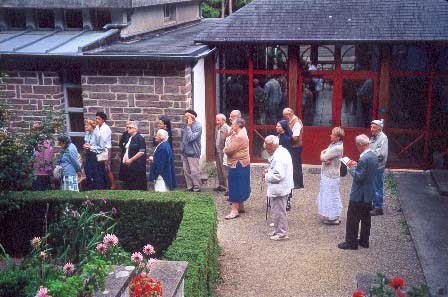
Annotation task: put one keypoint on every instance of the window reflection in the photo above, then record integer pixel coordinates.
(317, 57)
(439, 114)
(360, 57)
(407, 106)
(232, 91)
(357, 103)
(271, 57)
(270, 98)
(232, 58)
(410, 58)
(317, 102)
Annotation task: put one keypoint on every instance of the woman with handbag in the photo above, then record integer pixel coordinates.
(329, 197)
(93, 168)
(69, 164)
(135, 159)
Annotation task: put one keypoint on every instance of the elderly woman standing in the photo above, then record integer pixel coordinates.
(93, 145)
(238, 161)
(329, 198)
(135, 159)
(71, 168)
(162, 170)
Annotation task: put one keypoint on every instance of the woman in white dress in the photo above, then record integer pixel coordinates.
(329, 197)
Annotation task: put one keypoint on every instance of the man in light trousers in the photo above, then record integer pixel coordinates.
(279, 182)
(379, 145)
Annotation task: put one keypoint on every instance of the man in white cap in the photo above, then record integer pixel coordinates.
(379, 145)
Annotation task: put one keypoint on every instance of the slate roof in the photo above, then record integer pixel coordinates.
(289, 21)
(85, 3)
(173, 44)
(60, 43)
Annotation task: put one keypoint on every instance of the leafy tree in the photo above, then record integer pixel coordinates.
(212, 8)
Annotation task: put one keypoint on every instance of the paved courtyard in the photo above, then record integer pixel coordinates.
(309, 264)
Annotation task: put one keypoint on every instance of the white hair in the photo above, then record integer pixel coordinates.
(272, 139)
(163, 134)
(221, 116)
(362, 139)
(237, 112)
(133, 123)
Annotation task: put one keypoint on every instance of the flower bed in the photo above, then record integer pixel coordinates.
(181, 226)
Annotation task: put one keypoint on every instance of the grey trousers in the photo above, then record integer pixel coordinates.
(222, 170)
(278, 210)
(192, 172)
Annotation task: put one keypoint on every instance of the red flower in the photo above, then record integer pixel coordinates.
(359, 293)
(397, 283)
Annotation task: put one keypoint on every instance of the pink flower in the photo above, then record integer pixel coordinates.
(110, 239)
(88, 203)
(43, 292)
(136, 257)
(104, 200)
(114, 211)
(102, 213)
(148, 250)
(69, 268)
(151, 263)
(35, 242)
(101, 248)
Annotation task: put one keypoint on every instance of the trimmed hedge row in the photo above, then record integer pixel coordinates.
(181, 226)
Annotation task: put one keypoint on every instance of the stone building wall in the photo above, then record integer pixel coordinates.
(28, 93)
(138, 91)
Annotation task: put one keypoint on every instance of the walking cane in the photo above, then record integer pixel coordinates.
(268, 203)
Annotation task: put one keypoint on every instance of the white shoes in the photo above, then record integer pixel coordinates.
(277, 237)
(271, 225)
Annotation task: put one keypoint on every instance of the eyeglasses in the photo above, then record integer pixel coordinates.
(130, 127)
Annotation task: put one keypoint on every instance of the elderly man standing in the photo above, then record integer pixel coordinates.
(191, 150)
(379, 145)
(296, 126)
(279, 183)
(221, 131)
(361, 196)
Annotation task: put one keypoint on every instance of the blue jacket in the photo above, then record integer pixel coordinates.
(164, 165)
(363, 177)
(69, 161)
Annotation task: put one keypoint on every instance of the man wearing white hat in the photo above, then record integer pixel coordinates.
(379, 145)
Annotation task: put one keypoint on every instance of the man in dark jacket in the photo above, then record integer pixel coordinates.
(361, 196)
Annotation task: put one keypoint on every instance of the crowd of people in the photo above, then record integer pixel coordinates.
(282, 175)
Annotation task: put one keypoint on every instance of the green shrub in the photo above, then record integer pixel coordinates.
(181, 226)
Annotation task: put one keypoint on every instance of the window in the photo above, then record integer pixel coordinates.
(45, 19)
(100, 18)
(169, 13)
(74, 105)
(410, 58)
(271, 57)
(16, 18)
(73, 18)
(317, 57)
(360, 57)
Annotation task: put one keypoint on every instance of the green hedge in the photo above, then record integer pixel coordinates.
(182, 226)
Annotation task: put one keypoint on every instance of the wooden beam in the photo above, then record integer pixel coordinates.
(384, 82)
(210, 106)
(293, 66)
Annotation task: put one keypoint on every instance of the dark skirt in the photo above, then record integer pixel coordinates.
(296, 156)
(95, 172)
(239, 183)
(42, 183)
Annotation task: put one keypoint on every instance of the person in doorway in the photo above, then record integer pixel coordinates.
(135, 159)
(329, 198)
(296, 126)
(379, 145)
(361, 196)
(71, 168)
(238, 161)
(93, 145)
(162, 170)
(105, 134)
(279, 184)
(221, 130)
(191, 150)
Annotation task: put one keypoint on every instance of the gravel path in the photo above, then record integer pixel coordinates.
(309, 264)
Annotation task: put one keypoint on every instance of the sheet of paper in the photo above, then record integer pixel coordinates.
(345, 160)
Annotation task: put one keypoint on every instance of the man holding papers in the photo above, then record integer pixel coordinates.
(361, 196)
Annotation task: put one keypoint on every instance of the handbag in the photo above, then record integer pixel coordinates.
(57, 172)
(103, 156)
(343, 170)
